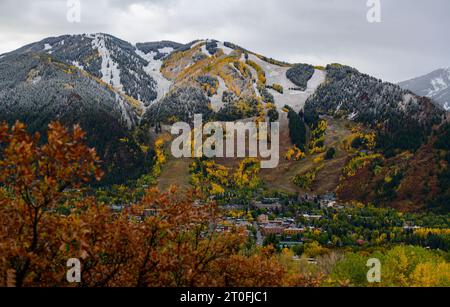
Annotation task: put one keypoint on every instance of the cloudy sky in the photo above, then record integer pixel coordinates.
(412, 38)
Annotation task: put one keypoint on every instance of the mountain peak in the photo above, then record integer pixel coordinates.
(435, 85)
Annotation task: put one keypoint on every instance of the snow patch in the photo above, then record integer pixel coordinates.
(407, 99)
(47, 47)
(36, 79)
(166, 50)
(205, 51)
(277, 74)
(110, 71)
(124, 111)
(153, 69)
(448, 73)
(197, 44)
(447, 106)
(77, 65)
(255, 88)
(438, 85)
(226, 50)
(353, 115)
(216, 100)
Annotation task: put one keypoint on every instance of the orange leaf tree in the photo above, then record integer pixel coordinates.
(35, 176)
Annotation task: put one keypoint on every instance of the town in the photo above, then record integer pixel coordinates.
(305, 221)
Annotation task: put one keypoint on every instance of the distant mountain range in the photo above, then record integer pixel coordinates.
(435, 85)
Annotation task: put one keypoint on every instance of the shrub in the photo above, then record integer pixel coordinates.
(358, 163)
(278, 88)
(209, 84)
(272, 113)
(330, 153)
(306, 180)
(294, 154)
(261, 73)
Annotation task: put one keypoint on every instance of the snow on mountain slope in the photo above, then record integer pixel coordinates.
(166, 50)
(114, 61)
(216, 100)
(277, 75)
(153, 69)
(109, 69)
(205, 51)
(369, 100)
(226, 50)
(435, 85)
(210, 47)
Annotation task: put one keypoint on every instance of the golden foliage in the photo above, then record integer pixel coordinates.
(305, 180)
(425, 232)
(242, 68)
(319, 159)
(260, 72)
(160, 157)
(358, 163)
(278, 88)
(294, 153)
(246, 176)
(368, 140)
(317, 141)
(209, 177)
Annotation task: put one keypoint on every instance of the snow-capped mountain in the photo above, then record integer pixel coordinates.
(99, 81)
(130, 69)
(435, 85)
(117, 90)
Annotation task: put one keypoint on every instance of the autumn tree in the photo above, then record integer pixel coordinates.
(35, 176)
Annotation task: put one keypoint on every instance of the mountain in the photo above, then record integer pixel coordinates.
(124, 95)
(98, 81)
(435, 85)
(405, 118)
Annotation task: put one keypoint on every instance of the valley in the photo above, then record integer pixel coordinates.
(364, 167)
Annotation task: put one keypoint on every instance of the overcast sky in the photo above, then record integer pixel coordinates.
(412, 38)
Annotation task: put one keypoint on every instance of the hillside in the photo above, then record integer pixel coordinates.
(37, 89)
(352, 132)
(99, 81)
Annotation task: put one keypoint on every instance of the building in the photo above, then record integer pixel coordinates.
(292, 231)
(307, 198)
(272, 206)
(279, 221)
(272, 230)
(270, 200)
(263, 219)
(312, 217)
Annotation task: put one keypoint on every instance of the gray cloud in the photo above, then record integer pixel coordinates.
(412, 38)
